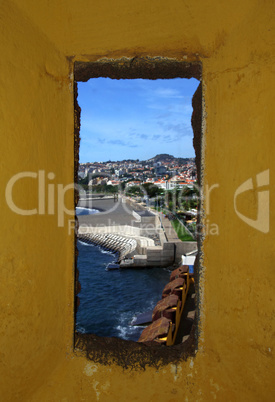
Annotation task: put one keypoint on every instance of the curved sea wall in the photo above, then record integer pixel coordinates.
(117, 244)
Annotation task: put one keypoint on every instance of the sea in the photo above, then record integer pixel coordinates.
(110, 300)
(85, 211)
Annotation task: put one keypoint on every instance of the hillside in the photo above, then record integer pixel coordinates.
(165, 158)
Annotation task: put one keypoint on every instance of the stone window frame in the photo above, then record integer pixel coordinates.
(105, 350)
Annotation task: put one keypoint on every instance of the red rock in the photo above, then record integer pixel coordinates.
(179, 272)
(164, 304)
(171, 286)
(170, 314)
(157, 329)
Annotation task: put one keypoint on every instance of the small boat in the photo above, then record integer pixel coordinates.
(112, 265)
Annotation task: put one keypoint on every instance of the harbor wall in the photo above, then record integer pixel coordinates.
(184, 248)
(161, 256)
(146, 253)
(234, 42)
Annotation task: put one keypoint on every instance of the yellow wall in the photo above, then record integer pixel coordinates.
(233, 40)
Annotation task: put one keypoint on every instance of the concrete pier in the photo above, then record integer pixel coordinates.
(156, 242)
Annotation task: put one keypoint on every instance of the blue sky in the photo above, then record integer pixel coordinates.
(135, 119)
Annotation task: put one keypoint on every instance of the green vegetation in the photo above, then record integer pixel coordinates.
(182, 233)
(146, 189)
(180, 229)
(152, 190)
(100, 188)
(134, 190)
(185, 198)
(160, 209)
(169, 158)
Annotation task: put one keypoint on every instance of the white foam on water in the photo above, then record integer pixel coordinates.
(85, 244)
(125, 329)
(80, 329)
(105, 251)
(125, 332)
(90, 211)
(95, 245)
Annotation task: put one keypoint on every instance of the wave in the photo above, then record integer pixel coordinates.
(86, 244)
(105, 251)
(127, 331)
(98, 247)
(80, 329)
(85, 211)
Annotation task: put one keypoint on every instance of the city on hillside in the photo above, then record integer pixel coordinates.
(163, 182)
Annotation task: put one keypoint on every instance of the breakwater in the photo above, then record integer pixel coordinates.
(111, 242)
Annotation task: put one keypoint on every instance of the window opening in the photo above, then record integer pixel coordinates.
(133, 194)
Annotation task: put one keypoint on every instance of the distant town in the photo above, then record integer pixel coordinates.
(163, 171)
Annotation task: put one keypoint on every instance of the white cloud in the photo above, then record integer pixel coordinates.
(168, 93)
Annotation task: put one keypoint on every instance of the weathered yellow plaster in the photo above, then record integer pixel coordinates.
(235, 43)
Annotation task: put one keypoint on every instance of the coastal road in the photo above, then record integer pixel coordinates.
(112, 212)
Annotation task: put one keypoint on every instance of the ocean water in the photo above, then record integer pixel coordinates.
(85, 211)
(109, 300)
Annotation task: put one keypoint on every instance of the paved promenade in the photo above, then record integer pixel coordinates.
(118, 213)
(112, 212)
(169, 230)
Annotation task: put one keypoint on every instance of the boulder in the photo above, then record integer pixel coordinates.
(173, 287)
(157, 329)
(164, 304)
(179, 272)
